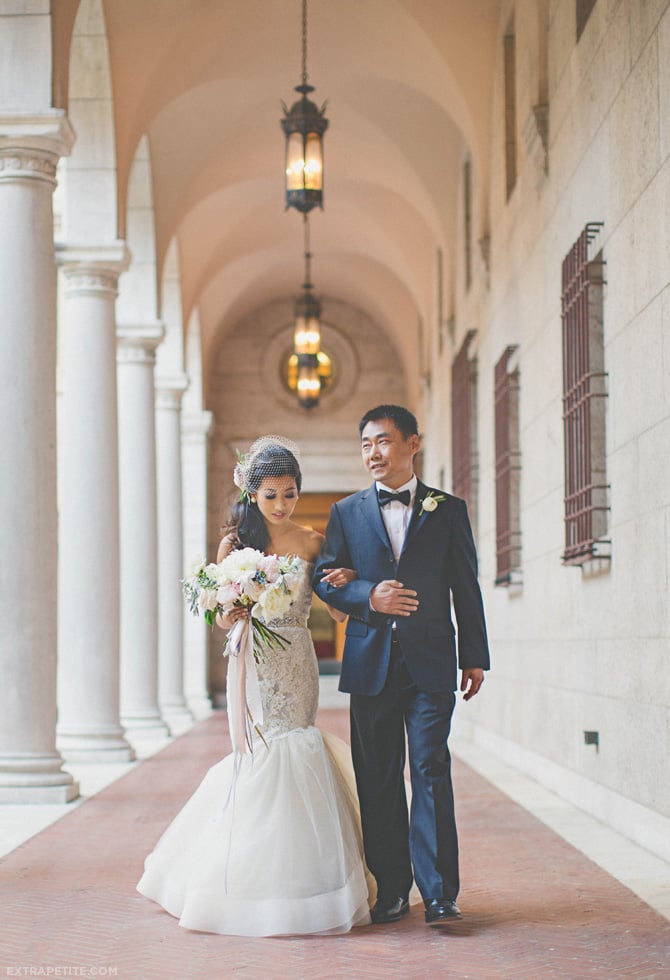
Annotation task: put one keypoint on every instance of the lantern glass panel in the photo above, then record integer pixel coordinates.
(307, 335)
(313, 162)
(309, 382)
(324, 365)
(295, 162)
(309, 385)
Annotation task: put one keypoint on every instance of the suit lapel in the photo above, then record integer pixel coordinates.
(372, 514)
(418, 516)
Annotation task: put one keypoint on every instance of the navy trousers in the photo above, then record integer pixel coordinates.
(423, 846)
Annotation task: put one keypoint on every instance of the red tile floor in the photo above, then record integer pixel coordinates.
(534, 907)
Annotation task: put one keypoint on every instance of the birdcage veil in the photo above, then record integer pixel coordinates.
(268, 456)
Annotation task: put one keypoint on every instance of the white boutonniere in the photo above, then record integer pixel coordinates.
(430, 502)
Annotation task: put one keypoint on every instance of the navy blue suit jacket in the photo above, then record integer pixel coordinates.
(438, 560)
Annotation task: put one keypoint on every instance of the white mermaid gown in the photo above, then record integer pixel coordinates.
(285, 855)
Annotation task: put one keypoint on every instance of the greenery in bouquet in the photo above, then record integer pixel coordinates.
(266, 585)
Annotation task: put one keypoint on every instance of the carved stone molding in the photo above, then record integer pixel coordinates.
(536, 139)
(27, 164)
(137, 343)
(485, 257)
(92, 269)
(88, 282)
(31, 145)
(170, 391)
(485, 250)
(196, 426)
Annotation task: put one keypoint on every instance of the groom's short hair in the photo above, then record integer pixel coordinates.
(401, 417)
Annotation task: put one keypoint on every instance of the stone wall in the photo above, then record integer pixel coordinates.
(578, 650)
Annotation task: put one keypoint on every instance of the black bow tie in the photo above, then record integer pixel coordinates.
(385, 497)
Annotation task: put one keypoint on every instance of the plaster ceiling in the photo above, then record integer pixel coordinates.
(408, 86)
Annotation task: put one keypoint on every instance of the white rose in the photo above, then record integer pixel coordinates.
(208, 599)
(239, 563)
(274, 603)
(213, 573)
(429, 504)
(291, 582)
(196, 567)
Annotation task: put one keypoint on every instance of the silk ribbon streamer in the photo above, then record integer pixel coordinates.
(245, 707)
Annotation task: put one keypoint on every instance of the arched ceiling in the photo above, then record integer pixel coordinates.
(408, 84)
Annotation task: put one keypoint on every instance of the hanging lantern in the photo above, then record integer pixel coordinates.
(290, 368)
(304, 125)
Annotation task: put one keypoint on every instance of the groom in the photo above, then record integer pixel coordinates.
(413, 552)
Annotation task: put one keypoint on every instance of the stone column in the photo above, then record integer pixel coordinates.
(195, 427)
(136, 351)
(88, 489)
(169, 391)
(30, 766)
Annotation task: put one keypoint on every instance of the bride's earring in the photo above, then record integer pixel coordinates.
(253, 500)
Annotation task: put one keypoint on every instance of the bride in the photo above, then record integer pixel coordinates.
(270, 843)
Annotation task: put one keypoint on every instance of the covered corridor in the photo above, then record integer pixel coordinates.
(486, 161)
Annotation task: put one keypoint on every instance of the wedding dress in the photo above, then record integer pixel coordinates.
(275, 850)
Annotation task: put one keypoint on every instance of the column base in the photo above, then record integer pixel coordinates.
(177, 717)
(199, 705)
(39, 794)
(92, 746)
(143, 726)
(28, 778)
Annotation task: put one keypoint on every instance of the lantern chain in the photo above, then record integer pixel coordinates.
(304, 42)
(308, 254)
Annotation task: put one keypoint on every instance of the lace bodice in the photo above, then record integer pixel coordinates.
(298, 613)
(289, 679)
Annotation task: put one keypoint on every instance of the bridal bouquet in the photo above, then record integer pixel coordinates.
(264, 584)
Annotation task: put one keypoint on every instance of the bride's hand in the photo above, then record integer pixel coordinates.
(337, 577)
(228, 621)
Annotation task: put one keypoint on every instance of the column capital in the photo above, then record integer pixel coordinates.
(137, 342)
(32, 143)
(170, 390)
(92, 269)
(196, 426)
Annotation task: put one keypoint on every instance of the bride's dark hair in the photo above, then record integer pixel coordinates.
(246, 522)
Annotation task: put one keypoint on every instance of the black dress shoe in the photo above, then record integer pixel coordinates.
(441, 910)
(389, 910)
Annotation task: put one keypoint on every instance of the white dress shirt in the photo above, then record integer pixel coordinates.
(396, 516)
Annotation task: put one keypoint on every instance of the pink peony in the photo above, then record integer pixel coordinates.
(270, 565)
(227, 595)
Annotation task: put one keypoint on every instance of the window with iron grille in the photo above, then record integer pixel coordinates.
(508, 470)
(464, 427)
(584, 394)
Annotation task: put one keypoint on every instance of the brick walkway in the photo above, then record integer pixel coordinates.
(534, 907)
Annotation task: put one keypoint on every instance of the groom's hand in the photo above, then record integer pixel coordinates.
(471, 680)
(393, 599)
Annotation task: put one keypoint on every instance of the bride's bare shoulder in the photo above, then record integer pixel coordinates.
(311, 543)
